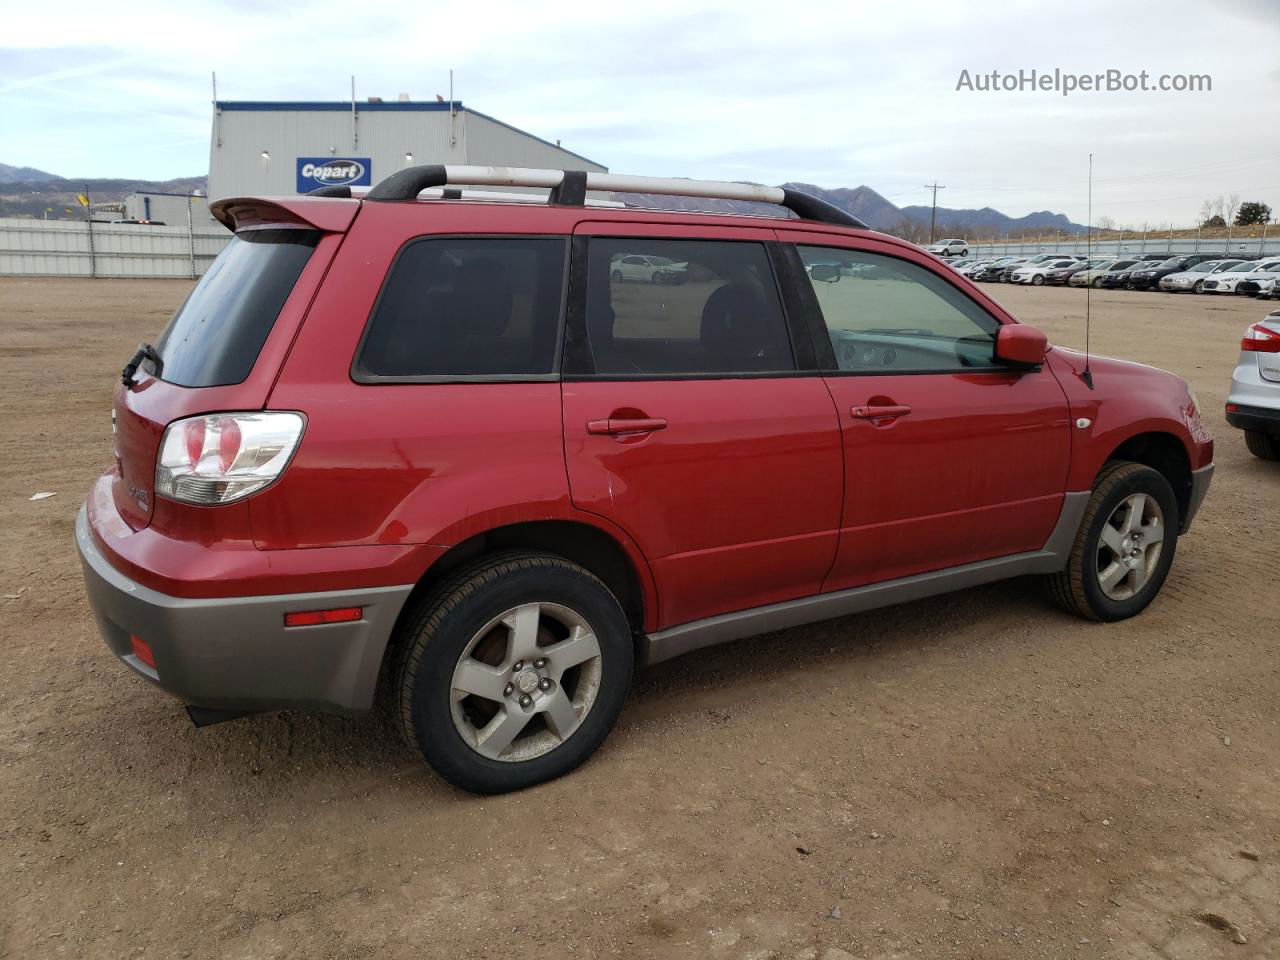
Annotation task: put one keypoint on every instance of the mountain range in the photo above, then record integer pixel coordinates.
(25, 191)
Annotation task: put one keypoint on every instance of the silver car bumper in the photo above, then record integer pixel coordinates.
(235, 653)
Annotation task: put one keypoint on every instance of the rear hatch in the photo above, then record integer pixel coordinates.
(224, 345)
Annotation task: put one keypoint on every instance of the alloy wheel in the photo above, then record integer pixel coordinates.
(525, 682)
(1129, 546)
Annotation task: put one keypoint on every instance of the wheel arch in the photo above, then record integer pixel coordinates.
(619, 566)
(1164, 453)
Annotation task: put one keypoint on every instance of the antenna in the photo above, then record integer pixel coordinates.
(1087, 376)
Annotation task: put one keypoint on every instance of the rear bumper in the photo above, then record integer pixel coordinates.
(1261, 419)
(234, 653)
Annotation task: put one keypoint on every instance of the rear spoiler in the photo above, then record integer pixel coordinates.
(330, 214)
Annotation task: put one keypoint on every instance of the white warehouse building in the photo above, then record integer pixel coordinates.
(274, 148)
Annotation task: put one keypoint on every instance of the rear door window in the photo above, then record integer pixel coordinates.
(467, 307)
(215, 337)
(709, 308)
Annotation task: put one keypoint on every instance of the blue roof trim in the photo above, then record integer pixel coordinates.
(295, 106)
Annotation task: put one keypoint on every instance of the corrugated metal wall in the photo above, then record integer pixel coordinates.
(384, 133)
(170, 209)
(490, 141)
(61, 248)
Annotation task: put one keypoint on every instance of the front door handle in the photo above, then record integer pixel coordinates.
(615, 426)
(887, 411)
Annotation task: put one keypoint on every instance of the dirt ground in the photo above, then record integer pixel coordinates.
(974, 776)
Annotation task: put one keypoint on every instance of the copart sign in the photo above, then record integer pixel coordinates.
(316, 172)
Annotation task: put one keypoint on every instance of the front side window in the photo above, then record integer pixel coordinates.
(886, 315)
(702, 308)
(467, 307)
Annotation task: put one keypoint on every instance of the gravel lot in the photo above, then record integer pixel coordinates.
(975, 776)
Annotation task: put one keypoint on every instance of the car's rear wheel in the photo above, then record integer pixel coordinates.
(514, 672)
(1264, 446)
(1125, 545)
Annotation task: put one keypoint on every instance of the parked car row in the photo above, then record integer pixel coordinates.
(1195, 273)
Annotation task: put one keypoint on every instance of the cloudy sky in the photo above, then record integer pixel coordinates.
(837, 94)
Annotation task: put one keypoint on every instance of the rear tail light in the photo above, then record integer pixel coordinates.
(1261, 338)
(225, 456)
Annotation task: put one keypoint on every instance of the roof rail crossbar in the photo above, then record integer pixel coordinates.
(570, 187)
(333, 190)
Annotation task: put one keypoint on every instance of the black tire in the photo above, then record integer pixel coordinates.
(1264, 446)
(1195, 288)
(1097, 283)
(1076, 588)
(616, 276)
(1037, 280)
(439, 631)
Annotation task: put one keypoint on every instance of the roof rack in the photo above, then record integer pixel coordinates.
(569, 188)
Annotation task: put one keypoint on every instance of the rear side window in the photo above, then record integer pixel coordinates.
(467, 307)
(696, 308)
(215, 337)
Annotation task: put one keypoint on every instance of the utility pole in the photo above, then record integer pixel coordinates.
(933, 214)
(88, 216)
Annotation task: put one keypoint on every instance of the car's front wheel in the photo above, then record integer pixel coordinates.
(1264, 446)
(1097, 283)
(1038, 280)
(1125, 545)
(514, 672)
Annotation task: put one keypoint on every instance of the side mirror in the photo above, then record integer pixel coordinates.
(1020, 346)
(825, 272)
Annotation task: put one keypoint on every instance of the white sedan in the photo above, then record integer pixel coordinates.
(1035, 273)
(1194, 278)
(648, 269)
(1227, 282)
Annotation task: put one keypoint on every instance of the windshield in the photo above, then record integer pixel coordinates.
(1122, 264)
(215, 337)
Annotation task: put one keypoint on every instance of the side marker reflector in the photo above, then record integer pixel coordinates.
(314, 618)
(142, 651)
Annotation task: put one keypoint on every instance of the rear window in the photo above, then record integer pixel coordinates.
(215, 337)
(467, 307)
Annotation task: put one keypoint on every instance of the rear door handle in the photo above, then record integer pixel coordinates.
(888, 411)
(637, 425)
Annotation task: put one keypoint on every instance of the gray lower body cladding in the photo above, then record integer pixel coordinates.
(687, 637)
(236, 653)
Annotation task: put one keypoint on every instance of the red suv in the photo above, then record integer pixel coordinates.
(441, 442)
